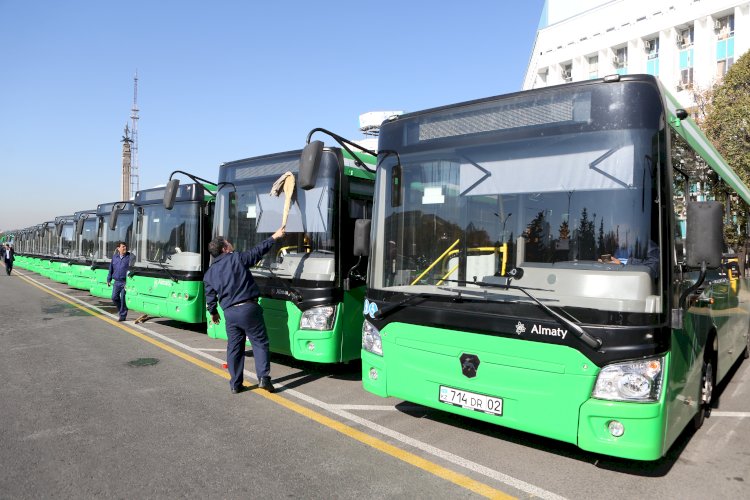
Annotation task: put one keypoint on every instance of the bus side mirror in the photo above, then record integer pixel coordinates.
(362, 237)
(170, 193)
(704, 238)
(113, 217)
(309, 164)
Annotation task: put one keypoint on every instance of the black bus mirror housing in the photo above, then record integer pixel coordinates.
(705, 238)
(362, 237)
(113, 217)
(170, 193)
(309, 164)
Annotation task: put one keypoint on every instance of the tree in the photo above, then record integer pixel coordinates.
(702, 98)
(536, 247)
(727, 125)
(586, 237)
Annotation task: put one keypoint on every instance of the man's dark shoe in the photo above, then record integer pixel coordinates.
(122, 319)
(237, 390)
(265, 383)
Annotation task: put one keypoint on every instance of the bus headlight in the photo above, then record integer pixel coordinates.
(371, 339)
(630, 381)
(318, 318)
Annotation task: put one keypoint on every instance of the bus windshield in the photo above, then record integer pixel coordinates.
(67, 239)
(168, 238)
(109, 238)
(552, 185)
(88, 239)
(307, 252)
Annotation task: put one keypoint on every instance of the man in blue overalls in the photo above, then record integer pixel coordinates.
(229, 282)
(118, 271)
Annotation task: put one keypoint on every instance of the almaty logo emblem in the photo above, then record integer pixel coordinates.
(520, 328)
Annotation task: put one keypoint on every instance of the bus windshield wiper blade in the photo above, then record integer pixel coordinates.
(166, 268)
(388, 308)
(296, 296)
(577, 330)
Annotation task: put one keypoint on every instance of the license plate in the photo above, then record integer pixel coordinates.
(471, 400)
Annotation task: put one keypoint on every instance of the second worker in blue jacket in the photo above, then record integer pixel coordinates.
(229, 283)
(118, 271)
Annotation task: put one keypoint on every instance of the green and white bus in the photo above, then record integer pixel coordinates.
(63, 246)
(529, 268)
(114, 224)
(84, 249)
(311, 292)
(39, 246)
(170, 253)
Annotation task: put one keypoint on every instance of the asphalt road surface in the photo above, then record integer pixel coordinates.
(90, 407)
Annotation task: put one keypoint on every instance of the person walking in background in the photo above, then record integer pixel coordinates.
(229, 283)
(9, 256)
(118, 271)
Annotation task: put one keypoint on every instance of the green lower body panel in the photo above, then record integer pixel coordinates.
(60, 272)
(21, 262)
(545, 388)
(43, 267)
(99, 286)
(282, 317)
(182, 301)
(644, 425)
(81, 277)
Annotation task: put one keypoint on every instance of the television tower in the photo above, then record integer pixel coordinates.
(126, 164)
(134, 177)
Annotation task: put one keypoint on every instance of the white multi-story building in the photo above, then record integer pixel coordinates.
(688, 44)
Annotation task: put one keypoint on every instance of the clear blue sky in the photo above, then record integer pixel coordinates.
(224, 80)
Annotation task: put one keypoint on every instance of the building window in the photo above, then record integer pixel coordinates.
(621, 60)
(567, 72)
(652, 50)
(685, 44)
(686, 79)
(724, 45)
(685, 37)
(724, 27)
(593, 67)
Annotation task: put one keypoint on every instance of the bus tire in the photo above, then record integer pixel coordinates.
(746, 354)
(708, 384)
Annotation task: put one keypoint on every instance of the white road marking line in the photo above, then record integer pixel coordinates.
(736, 414)
(380, 407)
(210, 350)
(402, 438)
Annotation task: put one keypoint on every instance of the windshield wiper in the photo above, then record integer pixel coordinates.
(296, 296)
(388, 308)
(578, 331)
(164, 266)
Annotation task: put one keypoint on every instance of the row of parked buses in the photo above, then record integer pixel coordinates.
(539, 260)
(312, 289)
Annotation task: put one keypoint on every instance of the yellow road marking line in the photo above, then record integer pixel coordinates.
(378, 444)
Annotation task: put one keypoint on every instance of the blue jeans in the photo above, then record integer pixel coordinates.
(246, 320)
(118, 298)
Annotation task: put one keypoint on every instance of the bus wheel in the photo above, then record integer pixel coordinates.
(747, 346)
(707, 391)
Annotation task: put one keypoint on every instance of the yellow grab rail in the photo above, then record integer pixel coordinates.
(502, 248)
(442, 256)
